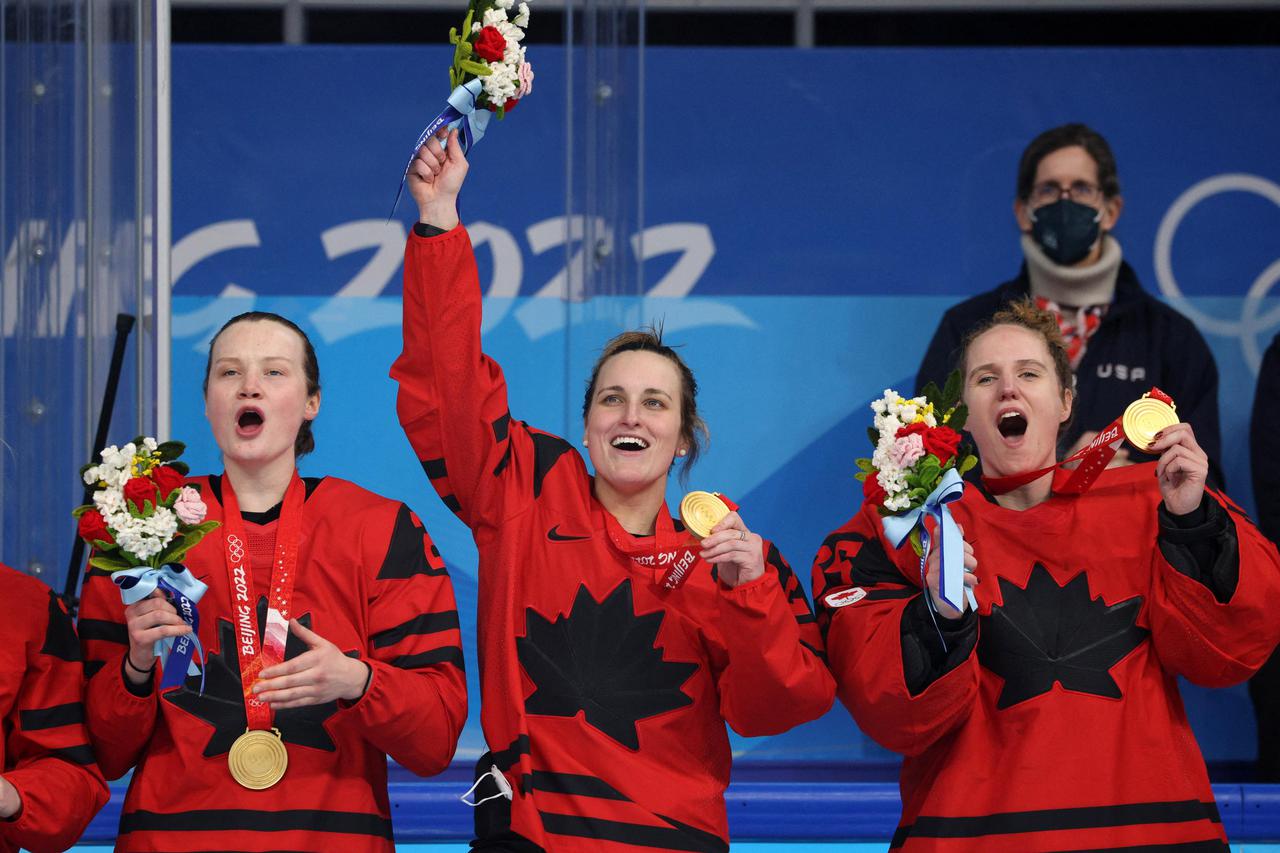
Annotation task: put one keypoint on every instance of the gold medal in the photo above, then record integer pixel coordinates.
(1145, 417)
(702, 511)
(258, 759)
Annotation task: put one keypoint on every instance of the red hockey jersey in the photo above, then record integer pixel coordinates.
(604, 695)
(370, 581)
(45, 753)
(1052, 719)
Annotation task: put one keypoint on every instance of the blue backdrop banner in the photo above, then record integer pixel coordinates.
(803, 263)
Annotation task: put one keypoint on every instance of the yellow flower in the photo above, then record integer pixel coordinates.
(923, 413)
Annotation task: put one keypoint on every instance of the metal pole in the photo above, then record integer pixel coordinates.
(163, 226)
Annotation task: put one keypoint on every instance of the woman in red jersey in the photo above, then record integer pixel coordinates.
(1050, 719)
(50, 786)
(329, 629)
(614, 646)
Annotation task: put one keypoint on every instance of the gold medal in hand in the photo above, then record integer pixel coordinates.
(701, 511)
(1145, 417)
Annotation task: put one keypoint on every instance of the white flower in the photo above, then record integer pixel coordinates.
(494, 17)
(502, 84)
(150, 444)
(476, 26)
(504, 4)
(108, 501)
(522, 19)
(112, 457)
(91, 475)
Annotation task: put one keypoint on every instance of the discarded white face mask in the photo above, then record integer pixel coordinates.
(504, 787)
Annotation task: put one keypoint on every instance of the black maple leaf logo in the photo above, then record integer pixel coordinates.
(1046, 633)
(222, 702)
(601, 660)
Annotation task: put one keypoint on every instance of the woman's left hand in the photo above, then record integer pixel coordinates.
(1181, 468)
(320, 674)
(737, 553)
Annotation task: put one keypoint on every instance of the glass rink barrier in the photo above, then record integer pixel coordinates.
(84, 193)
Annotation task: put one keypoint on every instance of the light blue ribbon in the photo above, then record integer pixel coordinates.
(950, 542)
(184, 590)
(461, 113)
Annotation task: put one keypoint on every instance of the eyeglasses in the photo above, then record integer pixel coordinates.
(1081, 192)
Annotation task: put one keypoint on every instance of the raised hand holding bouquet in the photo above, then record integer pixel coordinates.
(916, 470)
(142, 522)
(489, 73)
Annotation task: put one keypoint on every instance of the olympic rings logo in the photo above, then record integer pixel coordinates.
(1251, 324)
(235, 549)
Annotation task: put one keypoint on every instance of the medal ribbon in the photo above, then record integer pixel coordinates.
(670, 557)
(255, 657)
(1095, 458)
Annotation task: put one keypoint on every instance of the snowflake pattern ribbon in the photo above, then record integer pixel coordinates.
(184, 590)
(460, 113)
(950, 542)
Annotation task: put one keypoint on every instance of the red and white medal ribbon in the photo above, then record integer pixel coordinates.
(1093, 459)
(670, 556)
(279, 598)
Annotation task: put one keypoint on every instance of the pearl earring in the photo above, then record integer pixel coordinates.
(681, 452)
(584, 442)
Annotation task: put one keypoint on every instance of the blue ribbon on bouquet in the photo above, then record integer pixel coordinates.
(461, 113)
(950, 543)
(184, 590)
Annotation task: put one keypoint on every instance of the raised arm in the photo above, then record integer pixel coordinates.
(892, 672)
(452, 401)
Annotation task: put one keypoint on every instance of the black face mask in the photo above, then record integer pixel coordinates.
(1065, 230)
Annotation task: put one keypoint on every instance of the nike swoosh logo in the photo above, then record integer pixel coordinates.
(555, 535)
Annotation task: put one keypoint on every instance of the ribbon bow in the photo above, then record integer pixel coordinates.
(899, 527)
(184, 590)
(461, 113)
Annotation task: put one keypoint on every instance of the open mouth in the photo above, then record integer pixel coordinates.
(249, 422)
(1012, 424)
(629, 443)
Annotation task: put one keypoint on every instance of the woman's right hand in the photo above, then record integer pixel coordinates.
(153, 618)
(435, 178)
(933, 573)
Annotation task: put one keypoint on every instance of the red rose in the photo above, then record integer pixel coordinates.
(911, 429)
(942, 442)
(93, 528)
(872, 492)
(139, 490)
(166, 480)
(507, 107)
(490, 44)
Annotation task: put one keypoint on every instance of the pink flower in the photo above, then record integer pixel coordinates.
(190, 507)
(526, 80)
(906, 450)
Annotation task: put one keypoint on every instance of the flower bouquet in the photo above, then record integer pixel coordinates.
(916, 470)
(489, 73)
(142, 522)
